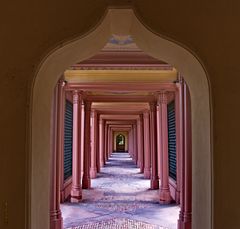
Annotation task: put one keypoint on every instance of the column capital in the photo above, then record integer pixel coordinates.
(146, 114)
(152, 106)
(61, 83)
(101, 121)
(162, 97)
(94, 113)
(75, 97)
(87, 105)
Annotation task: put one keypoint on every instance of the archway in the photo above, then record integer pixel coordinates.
(120, 21)
(120, 143)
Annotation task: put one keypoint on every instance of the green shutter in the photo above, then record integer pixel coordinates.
(172, 140)
(68, 126)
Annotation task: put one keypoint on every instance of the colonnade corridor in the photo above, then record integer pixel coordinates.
(121, 143)
(120, 198)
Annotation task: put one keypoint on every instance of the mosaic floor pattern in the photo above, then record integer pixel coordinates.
(118, 223)
(120, 198)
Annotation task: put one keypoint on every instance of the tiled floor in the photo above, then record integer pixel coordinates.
(120, 198)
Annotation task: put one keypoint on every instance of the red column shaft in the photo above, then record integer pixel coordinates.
(97, 145)
(165, 196)
(101, 142)
(135, 143)
(140, 143)
(159, 138)
(185, 217)
(154, 172)
(146, 145)
(105, 158)
(86, 182)
(179, 137)
(93, 169)
(56, 221)
(76, 191)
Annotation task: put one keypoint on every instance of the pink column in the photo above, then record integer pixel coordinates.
(93, 168)
(146, 145)
(76, 191)
(153, 130)
(101, 142)
(56, 221)
(179, 137)
(140, 143)
(165, 196)
(109, 142)
(105, 142)
(159, 137)
(132, 143)
(97, 147)
(130, 140)
(135, 143)
(86, 182)
(185, 217)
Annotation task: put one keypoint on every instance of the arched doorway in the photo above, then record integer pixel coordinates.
(120, 143)
(120, 21)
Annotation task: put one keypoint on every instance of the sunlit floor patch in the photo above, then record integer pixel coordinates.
(120, 198)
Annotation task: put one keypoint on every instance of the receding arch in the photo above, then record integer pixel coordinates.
(120, 21)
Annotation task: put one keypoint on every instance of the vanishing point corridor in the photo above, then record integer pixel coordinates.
(120, 198)
(121, 155)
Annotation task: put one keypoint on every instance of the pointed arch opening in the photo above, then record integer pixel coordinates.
(120, 21)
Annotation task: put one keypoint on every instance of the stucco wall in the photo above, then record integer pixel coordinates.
(30, 29)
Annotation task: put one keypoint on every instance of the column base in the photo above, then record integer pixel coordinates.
(184, 225)
(147, 173)
(98, 169)
(98, 166)
(165, 197)
(138, 164)
(93, 173)
(102, 163)
(86, 183)
(187, 220)
(76, 196)
(56, 220)
(154, 184)
(177, 197)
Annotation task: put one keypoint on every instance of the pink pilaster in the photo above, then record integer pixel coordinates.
(97, 145)
(159, 137)
(130, 148)
(110, 142)
(140, 143)
(76, 190)
(179, 137)
(101, 142)
(105, 158)
(185, 216)
(147, 172)
(165, 196)
(153, 130)
(56, 221)
(135, 144)
(93, 168)
(86, 182)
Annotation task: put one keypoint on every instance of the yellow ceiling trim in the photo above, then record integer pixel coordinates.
(87, 76)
